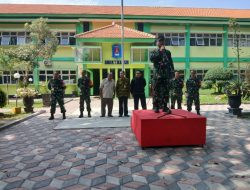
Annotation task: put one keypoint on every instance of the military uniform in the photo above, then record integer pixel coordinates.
(83, 85)
(122, 92)
(193, 85)
(176, 92)
(57, 88)
(163, 73)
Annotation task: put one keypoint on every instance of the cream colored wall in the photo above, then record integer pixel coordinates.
(205, 51)
(64, 51)
(166, 28)
(205, 65)
(96, 25)
(245, 52)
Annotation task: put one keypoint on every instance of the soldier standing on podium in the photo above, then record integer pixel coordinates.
(163, 73)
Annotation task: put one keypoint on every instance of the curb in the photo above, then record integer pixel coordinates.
(21, 120)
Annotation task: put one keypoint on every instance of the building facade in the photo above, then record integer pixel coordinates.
(89, 39)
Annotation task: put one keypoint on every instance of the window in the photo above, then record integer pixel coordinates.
(88, 54)
(173, 39)
(66, 38)
(205, 39)
(242, 39)
(86, 26)
(14, 38)
(69, 76)
(8, 77)
(139, 55)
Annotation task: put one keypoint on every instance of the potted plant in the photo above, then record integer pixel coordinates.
(45, 92)
(233, 89)
(28, 95)
(3, 99)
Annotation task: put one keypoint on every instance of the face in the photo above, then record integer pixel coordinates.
(160, 43)
(83, 73)
(121, 74)
(193, 74)
(56, 75)
(137, 74)
(177, 75)
(110, 76)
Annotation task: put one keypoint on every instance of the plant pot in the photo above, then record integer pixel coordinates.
(46, 100)
(16, 110)
(28, 104)
(234, 101)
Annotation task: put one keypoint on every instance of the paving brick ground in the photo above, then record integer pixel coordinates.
(34, 156)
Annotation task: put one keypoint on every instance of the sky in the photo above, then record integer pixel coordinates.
(232, 4)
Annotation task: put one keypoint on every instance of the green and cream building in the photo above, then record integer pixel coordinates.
(199, 39)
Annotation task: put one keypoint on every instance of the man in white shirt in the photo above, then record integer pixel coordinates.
(107, 93)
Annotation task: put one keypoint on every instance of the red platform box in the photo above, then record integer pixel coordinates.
(177, 129)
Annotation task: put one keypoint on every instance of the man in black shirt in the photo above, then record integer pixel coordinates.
(137, 90)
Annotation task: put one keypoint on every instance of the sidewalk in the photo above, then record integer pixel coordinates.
(34, 156)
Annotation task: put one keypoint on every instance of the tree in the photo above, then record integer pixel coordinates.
(7, 64)
(235, 29)
(218, 77)
(43, 45)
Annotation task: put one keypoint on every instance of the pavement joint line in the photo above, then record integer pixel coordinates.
(15, 122)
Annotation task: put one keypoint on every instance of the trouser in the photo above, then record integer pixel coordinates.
(142, 98)
(196, 100)
(161, 94)
(56, 97)
(87, 100)
(123, 105)
(104, 102)
(178, 99)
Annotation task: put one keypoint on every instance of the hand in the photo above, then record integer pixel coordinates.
(162, 48)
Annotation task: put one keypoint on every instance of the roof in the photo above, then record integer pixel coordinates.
(128, 10)
(114, 31)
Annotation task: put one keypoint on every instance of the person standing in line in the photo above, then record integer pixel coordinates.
(176, 91)
(84, 86)
(137, 90)
(107, 93)
(193, 85)
(122, 92)
(57, 87)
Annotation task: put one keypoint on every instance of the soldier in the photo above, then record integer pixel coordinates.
(137, 90)
(122, 92)
(176, 91)
(84, 86)
(57, 87)
(163, 73)
(193, 85)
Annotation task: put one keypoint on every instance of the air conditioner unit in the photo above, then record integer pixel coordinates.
(47, 62)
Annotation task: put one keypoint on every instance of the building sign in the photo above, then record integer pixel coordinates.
(116, 51)
(115, 62)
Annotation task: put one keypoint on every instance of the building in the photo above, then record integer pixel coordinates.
(89, 38)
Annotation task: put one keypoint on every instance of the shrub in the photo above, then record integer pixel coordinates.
(3, 99)
(219, 77)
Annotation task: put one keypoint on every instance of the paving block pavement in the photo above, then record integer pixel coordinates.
(34, 156)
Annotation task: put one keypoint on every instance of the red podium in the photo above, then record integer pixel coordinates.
(176, 129)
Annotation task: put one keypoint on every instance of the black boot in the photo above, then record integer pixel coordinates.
(51, 117)
(156, 110)
(64, 116)
(198, 112)
(89, 114)
(81, 114)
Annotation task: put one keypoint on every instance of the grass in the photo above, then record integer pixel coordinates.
(8, 116)
(207, 96)
(37, 104)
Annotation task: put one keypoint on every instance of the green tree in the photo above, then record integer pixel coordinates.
(218, 77)
(43, 46)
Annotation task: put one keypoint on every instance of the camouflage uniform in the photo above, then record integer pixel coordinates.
(193, 86)
(163, 73)
(57, 88)
(176, 92)
(83, 85)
